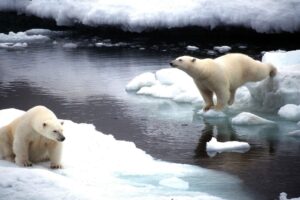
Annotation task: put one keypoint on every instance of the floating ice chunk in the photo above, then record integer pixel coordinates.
(192, 48)
(70, 46)
(246, 118)
(283, 196)
(222, 49)
(175, 183)
(211, 113)
(143, 80)
(290, 112)
(38, 31)
(18, 45)
(214, 146)
(295, 133)
(298, 123)
(21, 37)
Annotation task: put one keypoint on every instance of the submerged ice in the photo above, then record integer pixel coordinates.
(138, 15)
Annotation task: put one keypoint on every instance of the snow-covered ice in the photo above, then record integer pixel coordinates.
(222, 49)
(21, 37)
(138, 15)
(290, 112)
(213, 147)
(246, 118)
(192, 48)
(9, 45)
(166, 83)
(284, 88)
(70, 45)
(99, 166)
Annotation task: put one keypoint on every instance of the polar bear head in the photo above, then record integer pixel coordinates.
(53, 129)
(183, 62)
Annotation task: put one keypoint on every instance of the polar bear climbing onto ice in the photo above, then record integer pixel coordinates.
(223, 76)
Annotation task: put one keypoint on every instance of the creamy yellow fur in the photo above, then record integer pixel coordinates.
(223, 75)
(33, 137)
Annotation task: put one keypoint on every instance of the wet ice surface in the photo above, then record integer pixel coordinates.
(80, 89)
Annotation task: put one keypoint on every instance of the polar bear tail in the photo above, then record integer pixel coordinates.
(273, 70)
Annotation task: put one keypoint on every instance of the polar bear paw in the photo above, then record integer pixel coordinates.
(56, 166)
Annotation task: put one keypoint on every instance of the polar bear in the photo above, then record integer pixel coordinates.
(35, 136)
(223, 75)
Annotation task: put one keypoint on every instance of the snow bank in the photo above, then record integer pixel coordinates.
(21, 37)
(284, 88)
(246, 118)
(138, 15)
(213, 146)
(290, 112)
(98, 166)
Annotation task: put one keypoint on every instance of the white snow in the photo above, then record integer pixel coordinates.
(246, 118)
(138, 15)
(213, 146)
(290, 112)
(12, 37)
(222, 49)
(143, 80)
(192, 48)
(99, 166)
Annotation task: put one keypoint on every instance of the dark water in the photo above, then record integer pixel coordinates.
(87, 84)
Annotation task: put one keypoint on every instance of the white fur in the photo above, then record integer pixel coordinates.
(223, 75)
(33, 137)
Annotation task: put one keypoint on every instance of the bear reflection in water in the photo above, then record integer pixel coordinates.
(223, 131)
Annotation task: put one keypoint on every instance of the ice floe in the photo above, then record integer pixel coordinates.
(246, 118)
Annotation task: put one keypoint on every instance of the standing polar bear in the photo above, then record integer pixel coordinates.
(223, 75)
(35, 136)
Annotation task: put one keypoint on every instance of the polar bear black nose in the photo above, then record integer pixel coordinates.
(61, 138)
(171, 64)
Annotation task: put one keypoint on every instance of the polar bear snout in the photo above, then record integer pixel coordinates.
(60, 138)
(172, 65)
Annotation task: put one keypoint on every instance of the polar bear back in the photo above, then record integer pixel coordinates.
(240, 68)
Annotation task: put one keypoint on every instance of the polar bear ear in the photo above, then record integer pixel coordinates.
(44, 124)
(193, 60)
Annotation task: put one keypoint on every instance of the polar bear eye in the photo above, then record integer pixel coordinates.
(180, 60)
(55, 131)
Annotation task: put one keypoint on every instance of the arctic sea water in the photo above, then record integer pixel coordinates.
(85, 83)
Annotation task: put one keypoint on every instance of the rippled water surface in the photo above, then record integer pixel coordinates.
(86, 85)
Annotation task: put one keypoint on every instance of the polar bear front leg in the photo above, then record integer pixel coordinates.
(207, 96)
(20, 148)
(55, 151)
(223, 96)
(232, 95)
